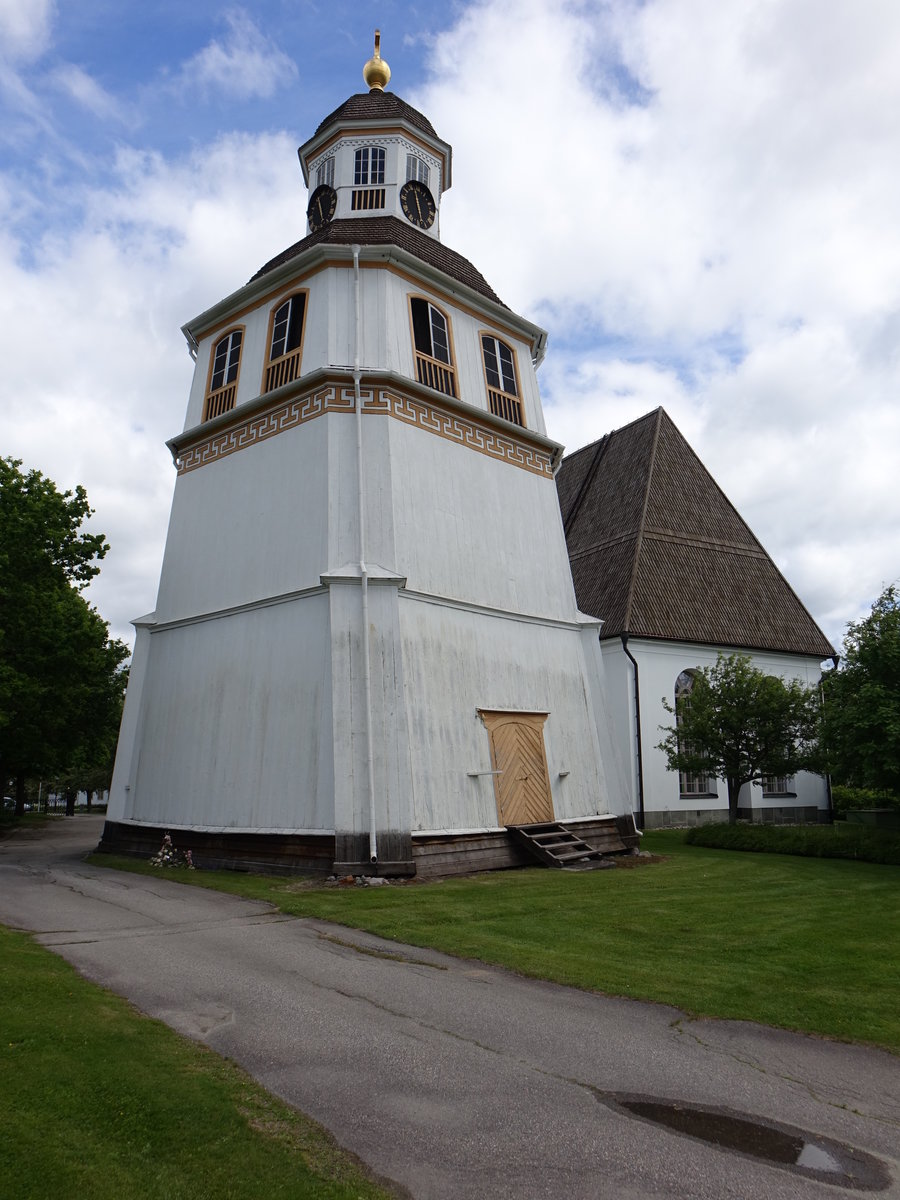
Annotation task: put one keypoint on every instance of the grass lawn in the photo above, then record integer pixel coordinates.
(807, 944)
(99, 1102)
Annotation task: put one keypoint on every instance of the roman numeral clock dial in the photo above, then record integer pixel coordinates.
(322, 206)
(417, 203)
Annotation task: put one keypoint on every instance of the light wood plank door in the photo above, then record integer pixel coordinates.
(522, 782)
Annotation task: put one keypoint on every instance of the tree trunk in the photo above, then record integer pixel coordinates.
(70, 802)
(20, 795)
(89, 793)
(734, 791)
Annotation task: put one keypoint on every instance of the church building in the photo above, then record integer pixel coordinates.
(661, 554)
(366, 654)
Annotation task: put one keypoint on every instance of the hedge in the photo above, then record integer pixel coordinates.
(811, 841)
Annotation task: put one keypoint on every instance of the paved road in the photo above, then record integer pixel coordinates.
(453, 1079)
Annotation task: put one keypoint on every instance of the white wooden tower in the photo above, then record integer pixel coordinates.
(366, 652)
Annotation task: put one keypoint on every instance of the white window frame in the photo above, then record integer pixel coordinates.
(368, 166)
(689, 782)
(417, 168)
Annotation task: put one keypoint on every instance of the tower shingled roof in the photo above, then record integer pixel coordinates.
(377, 106)
(658, 551)
(391, 231)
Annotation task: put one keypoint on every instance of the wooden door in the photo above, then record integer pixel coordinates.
(522, 782)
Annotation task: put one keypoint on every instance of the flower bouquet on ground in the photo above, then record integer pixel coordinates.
(168, 856)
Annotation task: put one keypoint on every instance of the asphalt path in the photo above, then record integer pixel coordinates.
(446, 1076)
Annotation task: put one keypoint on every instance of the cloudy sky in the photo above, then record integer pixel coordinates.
(700, 201)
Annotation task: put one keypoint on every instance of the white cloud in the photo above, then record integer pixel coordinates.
(25, 28)
(699, 201)
(86, 91)
(710, 225)
(245, 64)
(96, 373)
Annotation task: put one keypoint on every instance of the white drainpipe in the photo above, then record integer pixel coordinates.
(363, 572)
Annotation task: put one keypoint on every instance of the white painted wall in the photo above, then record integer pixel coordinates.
(473, 528)
(659, 664)
(457, 661)
(235, 724)
(253, 524)
(386, 338)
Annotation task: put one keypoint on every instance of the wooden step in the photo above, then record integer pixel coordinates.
(563, 848)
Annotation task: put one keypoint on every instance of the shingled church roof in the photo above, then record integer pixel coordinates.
(658, 551)
(377, 105)
(379, 231)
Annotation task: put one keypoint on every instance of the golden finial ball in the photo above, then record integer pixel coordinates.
(376, 72)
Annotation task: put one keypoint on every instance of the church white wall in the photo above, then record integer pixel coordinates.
(619, 715)
(253, 524)
(385, 339)
(325, 339)
(236, 723)
(659, 665)
(129, 728)
(456, 662)
(465, 329)
(472, 528)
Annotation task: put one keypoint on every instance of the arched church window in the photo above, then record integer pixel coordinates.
(689, 782)
(431, 337)
(325, 173)
(368, 167)
(368, 179)
(224, 367)
(285, 342)
(500, 373)
(778, 785)
(417, 169)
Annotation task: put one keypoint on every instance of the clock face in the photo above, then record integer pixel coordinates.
(417, 203)
(322, 206)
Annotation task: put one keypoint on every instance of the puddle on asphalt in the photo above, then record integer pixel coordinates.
(793, 1149)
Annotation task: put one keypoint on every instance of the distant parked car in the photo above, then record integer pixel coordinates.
(9, 803)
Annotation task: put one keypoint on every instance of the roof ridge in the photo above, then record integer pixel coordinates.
(575, 508)
(659, 551)
(639, 538)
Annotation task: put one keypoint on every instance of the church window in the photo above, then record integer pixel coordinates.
(223, 374)
(689, 782)
(369, 166)
(368, 173)
(325, 172)
(431, 336)
(285, 342)
(778, 785)
(416, 169)
(500, 373)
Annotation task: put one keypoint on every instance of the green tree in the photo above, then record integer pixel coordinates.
(862, 701)
(739, 724)
(59, 670)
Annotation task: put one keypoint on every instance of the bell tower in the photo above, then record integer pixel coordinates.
(366, 654)
(375, 155)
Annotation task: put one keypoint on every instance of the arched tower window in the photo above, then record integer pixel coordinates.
(417, 169)
(325, 172)
(285, 342)
(431, 337)
(368, 167)
(690, 783)
(224, 367)
(368, 179)
(500, 373)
